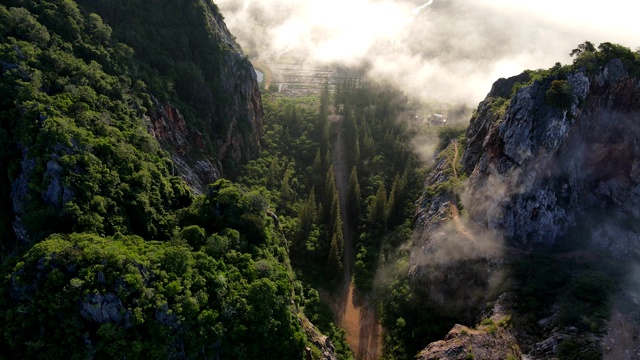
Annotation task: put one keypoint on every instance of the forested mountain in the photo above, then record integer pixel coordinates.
(207, 110)
(119, 238)
(106, 252)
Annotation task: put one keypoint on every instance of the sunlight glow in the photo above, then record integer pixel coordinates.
(449, 49)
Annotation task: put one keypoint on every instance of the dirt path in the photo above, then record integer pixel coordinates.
(455, 159)
(455, 215)
(354, 312)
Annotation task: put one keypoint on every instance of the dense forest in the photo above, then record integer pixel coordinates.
(132, 262)
(296, 170)
(115, 255)
(106, 252)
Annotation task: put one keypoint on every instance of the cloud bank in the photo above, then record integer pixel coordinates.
(440, 50)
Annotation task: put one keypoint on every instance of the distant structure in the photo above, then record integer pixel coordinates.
(298, 79)
(437, 119)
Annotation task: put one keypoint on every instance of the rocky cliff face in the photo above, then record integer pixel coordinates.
(535, 170)
(549, 156)
(206, 110)
(187, 147)
(199, 159)
(490, 340)
(538, 169)
(240, 142)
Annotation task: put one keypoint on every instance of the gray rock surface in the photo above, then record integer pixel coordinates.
(537, 170)
(56, 194)
(19, 192)
(193, 163)
(105, 308)
(487, 342)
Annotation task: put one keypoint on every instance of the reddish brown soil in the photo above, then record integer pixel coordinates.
(363, 331)
(359, 320)
(352, 311)
(455, 215)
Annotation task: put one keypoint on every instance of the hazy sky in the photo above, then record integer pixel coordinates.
(444, 50)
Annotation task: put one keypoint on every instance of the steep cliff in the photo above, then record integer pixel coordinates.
(207, 111)
(548, 149)
(540, 167)
(105, 252)
(549, 172)
(492, 339)
(79, 101)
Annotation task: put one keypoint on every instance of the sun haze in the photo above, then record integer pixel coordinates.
(435, 49)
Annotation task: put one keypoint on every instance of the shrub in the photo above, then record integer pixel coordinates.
(560, 95)
(486, 322)
(194, 235)
(586, 305)
(448, 133)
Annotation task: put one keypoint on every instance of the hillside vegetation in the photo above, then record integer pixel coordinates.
(106, 253)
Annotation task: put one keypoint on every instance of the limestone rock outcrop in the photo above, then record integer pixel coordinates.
(538, 169)
(549, 157)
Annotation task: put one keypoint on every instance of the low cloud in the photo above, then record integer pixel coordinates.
(435, 50)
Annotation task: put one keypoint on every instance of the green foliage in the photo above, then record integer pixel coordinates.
(228, 206)
(582, 293)
(295, 134)
(539, 282)
(384, 170)
(410, 320)
(499, 106)
(75, 141)
(354, 195)
(486, 322)
(365, 266)
(320, 315)
(470, 355)
(74, 132)
(452, 171)
(557, 72)
(505, 322)
(334, 263)
(180, 50)
(573, 350)
(194, 235)
(586, 47)
(560, 94)
(446, 134)
(123, 296)
(587, 302)
(592, 59)
(377, 210)
(296, 169)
